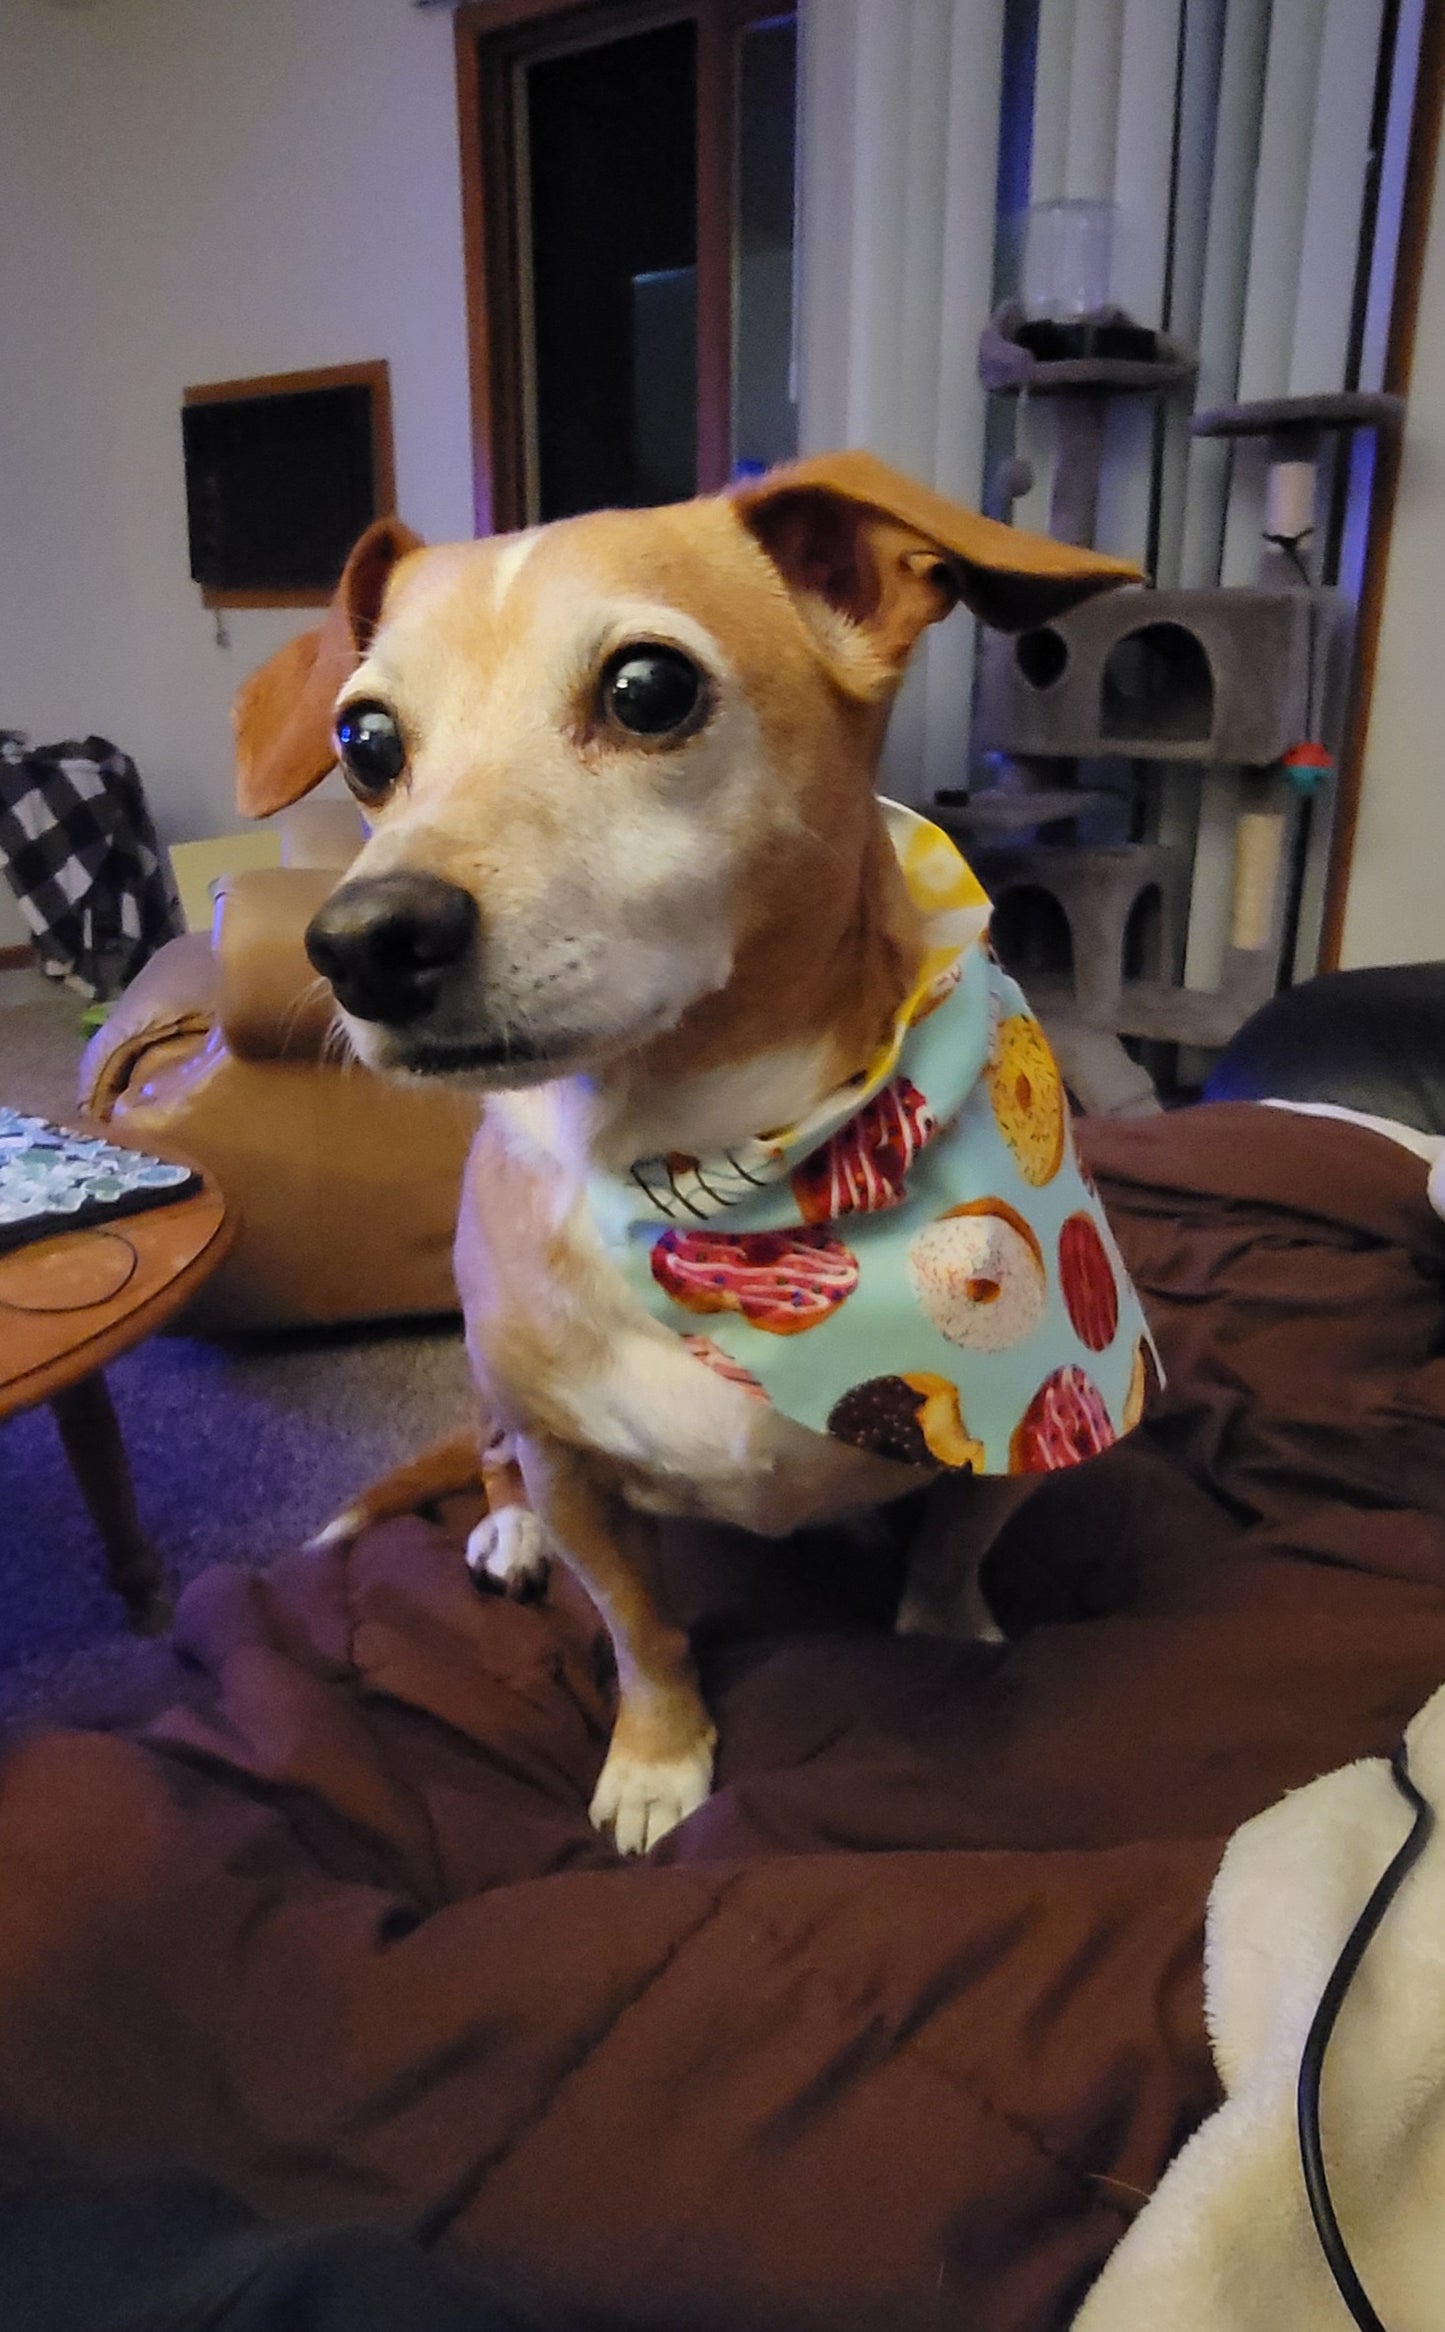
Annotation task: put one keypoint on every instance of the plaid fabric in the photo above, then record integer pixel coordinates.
(81, 856)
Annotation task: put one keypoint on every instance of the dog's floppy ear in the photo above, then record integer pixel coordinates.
(282, 714)
(857, 540)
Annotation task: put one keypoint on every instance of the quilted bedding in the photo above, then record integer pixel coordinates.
(898, 2031)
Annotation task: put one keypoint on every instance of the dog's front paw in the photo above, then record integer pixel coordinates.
(639, 1799)
(509, 1547)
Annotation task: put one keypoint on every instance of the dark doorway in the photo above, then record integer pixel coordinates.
(627, 174)
(764, 402)
(613, 173)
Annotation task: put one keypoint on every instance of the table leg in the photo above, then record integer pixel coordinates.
(90, 1431)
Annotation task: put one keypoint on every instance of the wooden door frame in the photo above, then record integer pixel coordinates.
(492, 38)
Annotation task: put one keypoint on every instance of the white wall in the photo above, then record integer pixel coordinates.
(196, 189)
(1395, 910)
(192, 190)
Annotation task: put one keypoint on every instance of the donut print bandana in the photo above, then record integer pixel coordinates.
(919, 1266)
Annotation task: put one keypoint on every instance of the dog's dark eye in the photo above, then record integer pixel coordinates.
(651, 690)
(371, 750)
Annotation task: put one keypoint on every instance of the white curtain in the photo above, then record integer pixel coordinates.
(1291, 139)
(899, 162)
(1234, 138)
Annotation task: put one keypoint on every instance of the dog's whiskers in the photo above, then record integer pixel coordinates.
(337, 1045)
(299, 1004)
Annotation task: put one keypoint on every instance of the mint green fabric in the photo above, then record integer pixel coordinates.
(954, 1252)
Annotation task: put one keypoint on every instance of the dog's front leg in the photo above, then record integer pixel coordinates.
(962, 1517)
(508, 1546)
(659, 1766)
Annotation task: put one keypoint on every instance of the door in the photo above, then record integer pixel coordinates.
(628, 193)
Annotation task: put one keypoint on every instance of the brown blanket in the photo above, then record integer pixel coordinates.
(901, 2028)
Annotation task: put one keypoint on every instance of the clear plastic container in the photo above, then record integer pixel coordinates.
(1068, 248)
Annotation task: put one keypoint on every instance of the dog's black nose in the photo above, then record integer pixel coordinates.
(387, 943)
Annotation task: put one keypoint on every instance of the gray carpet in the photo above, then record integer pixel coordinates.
(239, 1451)
(40, 1043)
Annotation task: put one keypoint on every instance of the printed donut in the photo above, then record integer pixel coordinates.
(977, 1274)
(1086, 1276)
(915, 1419)
(937, 992)
(940, 1420)
(679, 1185)
(782, 1281)
(723, 1365)
(863, 1168)
(1145, 1380)
(1066, 1421)
(1027, 1094)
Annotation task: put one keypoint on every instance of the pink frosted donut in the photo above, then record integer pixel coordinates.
(723, 1365)
(864, 1167)
(1065, 1422)
(783, 1281)
(978, 1276)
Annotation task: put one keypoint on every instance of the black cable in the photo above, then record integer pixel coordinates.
(1304, 821)
(1312, 2062)
(1290, 545)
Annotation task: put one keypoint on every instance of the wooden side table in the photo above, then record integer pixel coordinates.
(72, 1303)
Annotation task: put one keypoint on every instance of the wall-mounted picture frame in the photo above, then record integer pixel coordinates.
(283, 472)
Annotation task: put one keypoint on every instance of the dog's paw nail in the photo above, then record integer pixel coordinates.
(639, 1799)
(338, 1532)
(509, 1548)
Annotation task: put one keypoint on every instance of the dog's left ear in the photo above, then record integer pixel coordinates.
(855, 539)
(282, 714)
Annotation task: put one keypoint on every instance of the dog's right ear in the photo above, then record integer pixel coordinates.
(282, 714)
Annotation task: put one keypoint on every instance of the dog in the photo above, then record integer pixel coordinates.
(627, 875)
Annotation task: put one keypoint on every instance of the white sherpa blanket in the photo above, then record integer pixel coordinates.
(1227, 2243)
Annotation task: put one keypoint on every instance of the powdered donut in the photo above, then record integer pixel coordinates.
(783, 1281)
(978, 1276)
(916, 1419)
(864, 1167)
(1028, 1098)
(1065, 1422)
(1087, 1278)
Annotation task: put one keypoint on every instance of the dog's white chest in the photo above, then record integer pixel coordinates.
(561, 1345)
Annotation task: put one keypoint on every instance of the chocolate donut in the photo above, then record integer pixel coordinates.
(915, 1419)
(881, 1416)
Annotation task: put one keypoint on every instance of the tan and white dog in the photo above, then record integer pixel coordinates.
(627, 871)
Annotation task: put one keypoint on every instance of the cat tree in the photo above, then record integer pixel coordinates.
(1094, 912)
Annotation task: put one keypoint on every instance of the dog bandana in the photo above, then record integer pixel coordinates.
(919, 1266)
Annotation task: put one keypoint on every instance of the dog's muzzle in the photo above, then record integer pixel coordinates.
(388, 944)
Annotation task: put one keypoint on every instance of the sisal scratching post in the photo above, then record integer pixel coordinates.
(1258, 849)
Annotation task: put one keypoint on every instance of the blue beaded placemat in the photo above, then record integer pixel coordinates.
(53, 1180)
